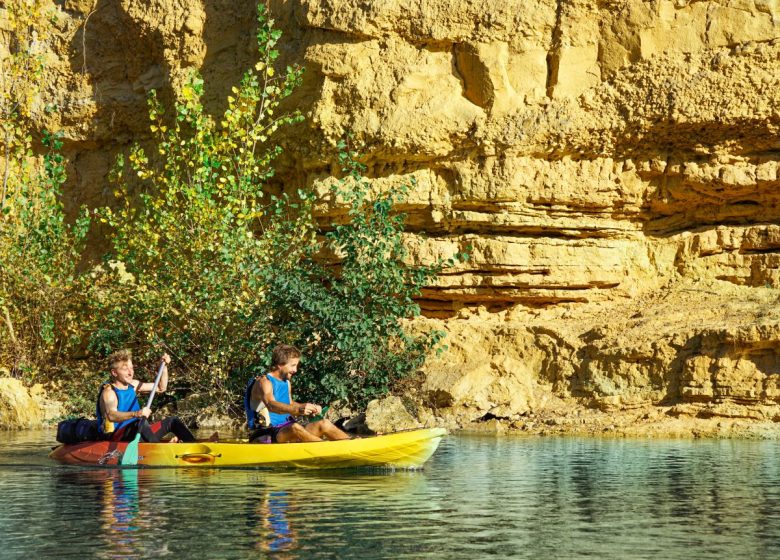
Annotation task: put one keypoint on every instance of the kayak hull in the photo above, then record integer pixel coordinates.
(408, 449)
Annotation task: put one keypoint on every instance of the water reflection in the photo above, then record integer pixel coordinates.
(478, 497)
(117, 498)
(289, 511)
(120, 512)
(270, 521)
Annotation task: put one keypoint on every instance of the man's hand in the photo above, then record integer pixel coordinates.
(310, 409)
(145, 412)
(166, 358)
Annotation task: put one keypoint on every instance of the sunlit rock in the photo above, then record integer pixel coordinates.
(611, 168)
(389, 415)
(17, 408)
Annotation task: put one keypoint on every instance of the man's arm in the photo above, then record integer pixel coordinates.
(309, 408)
(147, 387)
(110, 404)
(266, 394)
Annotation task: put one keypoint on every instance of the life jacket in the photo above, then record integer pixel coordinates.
(251, 413)
(127, 402)
(256, 416)
(281, 394)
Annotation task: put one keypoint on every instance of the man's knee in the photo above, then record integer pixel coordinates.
(322, 427)
(297, 429)
(293, 432)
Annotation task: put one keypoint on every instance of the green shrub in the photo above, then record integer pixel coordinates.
(349, 319)
(40, 293)
(184, 271)
(209, 265)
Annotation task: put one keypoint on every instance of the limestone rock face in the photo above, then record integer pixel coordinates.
(611, 167)
(697, 350)
(17, 408)
(389, 415)
(52, 410)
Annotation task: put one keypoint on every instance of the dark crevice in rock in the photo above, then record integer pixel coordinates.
(554, 56)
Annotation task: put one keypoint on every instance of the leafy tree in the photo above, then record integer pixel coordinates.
(210, 264)
(39, 250)
(187, 250)
(350, 318)
(21, 68)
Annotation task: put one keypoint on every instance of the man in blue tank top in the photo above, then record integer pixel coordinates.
(274, 391)
(120, 416)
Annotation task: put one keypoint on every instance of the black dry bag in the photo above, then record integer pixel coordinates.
(78, 430)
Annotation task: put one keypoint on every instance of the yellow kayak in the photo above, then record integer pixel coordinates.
(408, 449)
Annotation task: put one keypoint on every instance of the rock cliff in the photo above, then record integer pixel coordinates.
(611, 165)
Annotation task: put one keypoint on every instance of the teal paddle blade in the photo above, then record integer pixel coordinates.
(130, 456)
(320, 416)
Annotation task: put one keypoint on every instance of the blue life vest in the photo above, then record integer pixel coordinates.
(127, 402)
(282, 395)
(251, 413)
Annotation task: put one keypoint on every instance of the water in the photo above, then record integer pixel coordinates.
(479, 497)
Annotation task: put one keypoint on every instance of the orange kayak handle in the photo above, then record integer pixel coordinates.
(198, 458)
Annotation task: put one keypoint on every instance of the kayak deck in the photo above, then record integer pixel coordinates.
(408, 449)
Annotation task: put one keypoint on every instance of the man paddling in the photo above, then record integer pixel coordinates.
(274, 391)
(120, 416)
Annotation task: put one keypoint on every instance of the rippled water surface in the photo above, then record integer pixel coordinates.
(479, 497)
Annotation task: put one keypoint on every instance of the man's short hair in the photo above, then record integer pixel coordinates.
(283, 354)
(118, 357)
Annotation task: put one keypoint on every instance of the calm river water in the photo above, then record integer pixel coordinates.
(479, 497)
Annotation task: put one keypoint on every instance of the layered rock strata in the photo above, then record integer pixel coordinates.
(611, 166)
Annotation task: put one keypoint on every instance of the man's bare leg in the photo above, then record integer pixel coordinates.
(326, 428)
(295, 433)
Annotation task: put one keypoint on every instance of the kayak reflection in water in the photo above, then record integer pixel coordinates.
(123, 520)
(274, 392)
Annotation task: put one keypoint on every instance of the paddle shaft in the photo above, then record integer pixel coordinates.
(130, 455)
(156, 383)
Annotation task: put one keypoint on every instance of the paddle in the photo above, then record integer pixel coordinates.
(130, 456)
(319, 416)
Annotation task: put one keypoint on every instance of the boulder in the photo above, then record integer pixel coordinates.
(198, 411)
(51, 410)
(18, 409)
(389, 415)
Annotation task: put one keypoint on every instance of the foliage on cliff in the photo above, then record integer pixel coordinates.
(212, 266)
(348, 315)
(39, 250)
